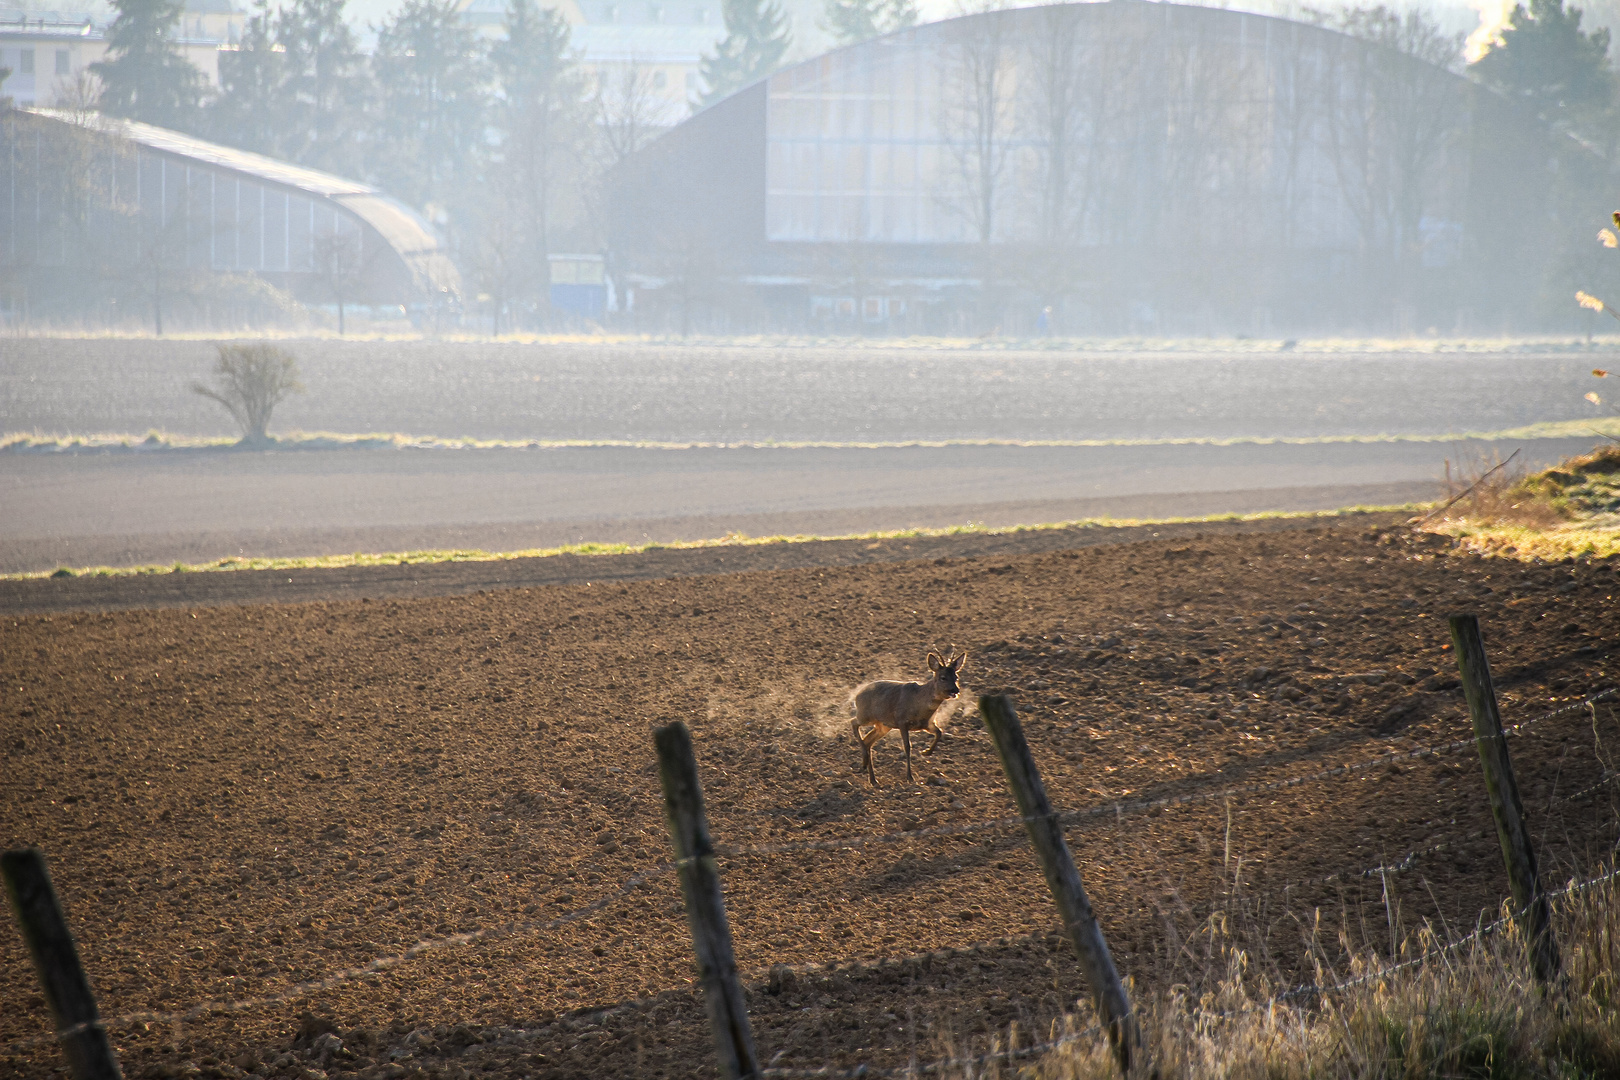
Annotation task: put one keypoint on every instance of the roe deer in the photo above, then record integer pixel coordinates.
(906, 707)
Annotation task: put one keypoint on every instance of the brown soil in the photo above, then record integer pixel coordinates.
(236, 800)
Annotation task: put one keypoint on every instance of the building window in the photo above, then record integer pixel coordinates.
(659, 79)
(25, 64)
(64, 62)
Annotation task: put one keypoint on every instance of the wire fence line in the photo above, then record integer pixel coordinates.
(933, 1068)
(1120, 808)
(1407, 862)
(377, 966)
(636, 880)
(1476, 934)
(856, 1072)
(631, 884)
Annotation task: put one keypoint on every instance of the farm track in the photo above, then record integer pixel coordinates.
(236, 799)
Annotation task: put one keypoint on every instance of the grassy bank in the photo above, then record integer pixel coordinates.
(392, 558)
(1569, 511)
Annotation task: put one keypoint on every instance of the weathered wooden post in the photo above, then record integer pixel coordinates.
(705, 906)
(1524, 880)
(33, 899)
(1063, 878)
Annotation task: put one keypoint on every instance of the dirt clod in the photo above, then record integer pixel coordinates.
(293, 811)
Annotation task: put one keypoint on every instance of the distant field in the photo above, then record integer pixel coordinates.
(765, 393)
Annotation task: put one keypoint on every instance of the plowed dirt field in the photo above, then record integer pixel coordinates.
(239, 802)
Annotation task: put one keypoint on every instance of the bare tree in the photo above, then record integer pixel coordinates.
(1057, 116)
(979, 114)
(79, 96)
(250, 381)
(342, 263)
(1391, 111)
(1296, 93)
(630, 110)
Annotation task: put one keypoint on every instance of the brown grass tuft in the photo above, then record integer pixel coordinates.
(1434, 1012)
(1496, 492)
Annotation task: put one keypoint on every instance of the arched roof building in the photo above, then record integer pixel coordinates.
(1131, 165)
(103, 209)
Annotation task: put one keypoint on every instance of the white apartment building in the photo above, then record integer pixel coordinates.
(666, 39)
(48, 50)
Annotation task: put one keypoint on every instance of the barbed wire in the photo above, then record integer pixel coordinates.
(1584, 792)
(1476, 934)
(856, 1072)
(1120, 808)
(933, 1068)
(1117, 809)
(374, 967)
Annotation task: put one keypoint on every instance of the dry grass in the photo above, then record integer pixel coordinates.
(1571, 510)
(156, 441)
(1434, 1011)
(735, 539)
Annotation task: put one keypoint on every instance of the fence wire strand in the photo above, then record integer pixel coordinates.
(374, 967)
(1120, 808)
(1117, 809)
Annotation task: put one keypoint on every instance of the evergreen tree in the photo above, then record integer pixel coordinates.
(248, 112)
(852, 21)
(431, 87)
(1548, 62)
(541, 127)
(324, 92)
(756, 38)
(294, 88)
(143, 74)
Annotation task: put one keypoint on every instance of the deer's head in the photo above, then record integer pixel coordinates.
(945, 673)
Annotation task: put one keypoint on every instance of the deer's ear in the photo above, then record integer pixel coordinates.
(959, 663)
(934, 662)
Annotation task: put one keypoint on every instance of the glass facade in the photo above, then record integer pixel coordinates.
(1110, 124)
(856, 151)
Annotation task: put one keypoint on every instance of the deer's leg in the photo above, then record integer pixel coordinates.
(905, 737)
(869, 740)
(938, 733)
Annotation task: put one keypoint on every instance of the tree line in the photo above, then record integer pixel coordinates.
(503, 143)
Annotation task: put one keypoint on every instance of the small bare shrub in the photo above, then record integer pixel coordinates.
(250, 381)
(1498, 493)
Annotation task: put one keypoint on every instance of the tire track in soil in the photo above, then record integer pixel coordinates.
(236, 799)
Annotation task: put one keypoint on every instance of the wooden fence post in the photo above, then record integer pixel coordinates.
(1063, 878)
(1534, 913)
(67, 992)
(705, 906)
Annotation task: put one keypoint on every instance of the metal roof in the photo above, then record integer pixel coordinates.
(399, 226)
(48, 24)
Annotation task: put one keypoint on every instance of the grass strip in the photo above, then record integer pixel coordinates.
(161, 441)
(395, 558)
(1530, 544)
(1137, 345)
